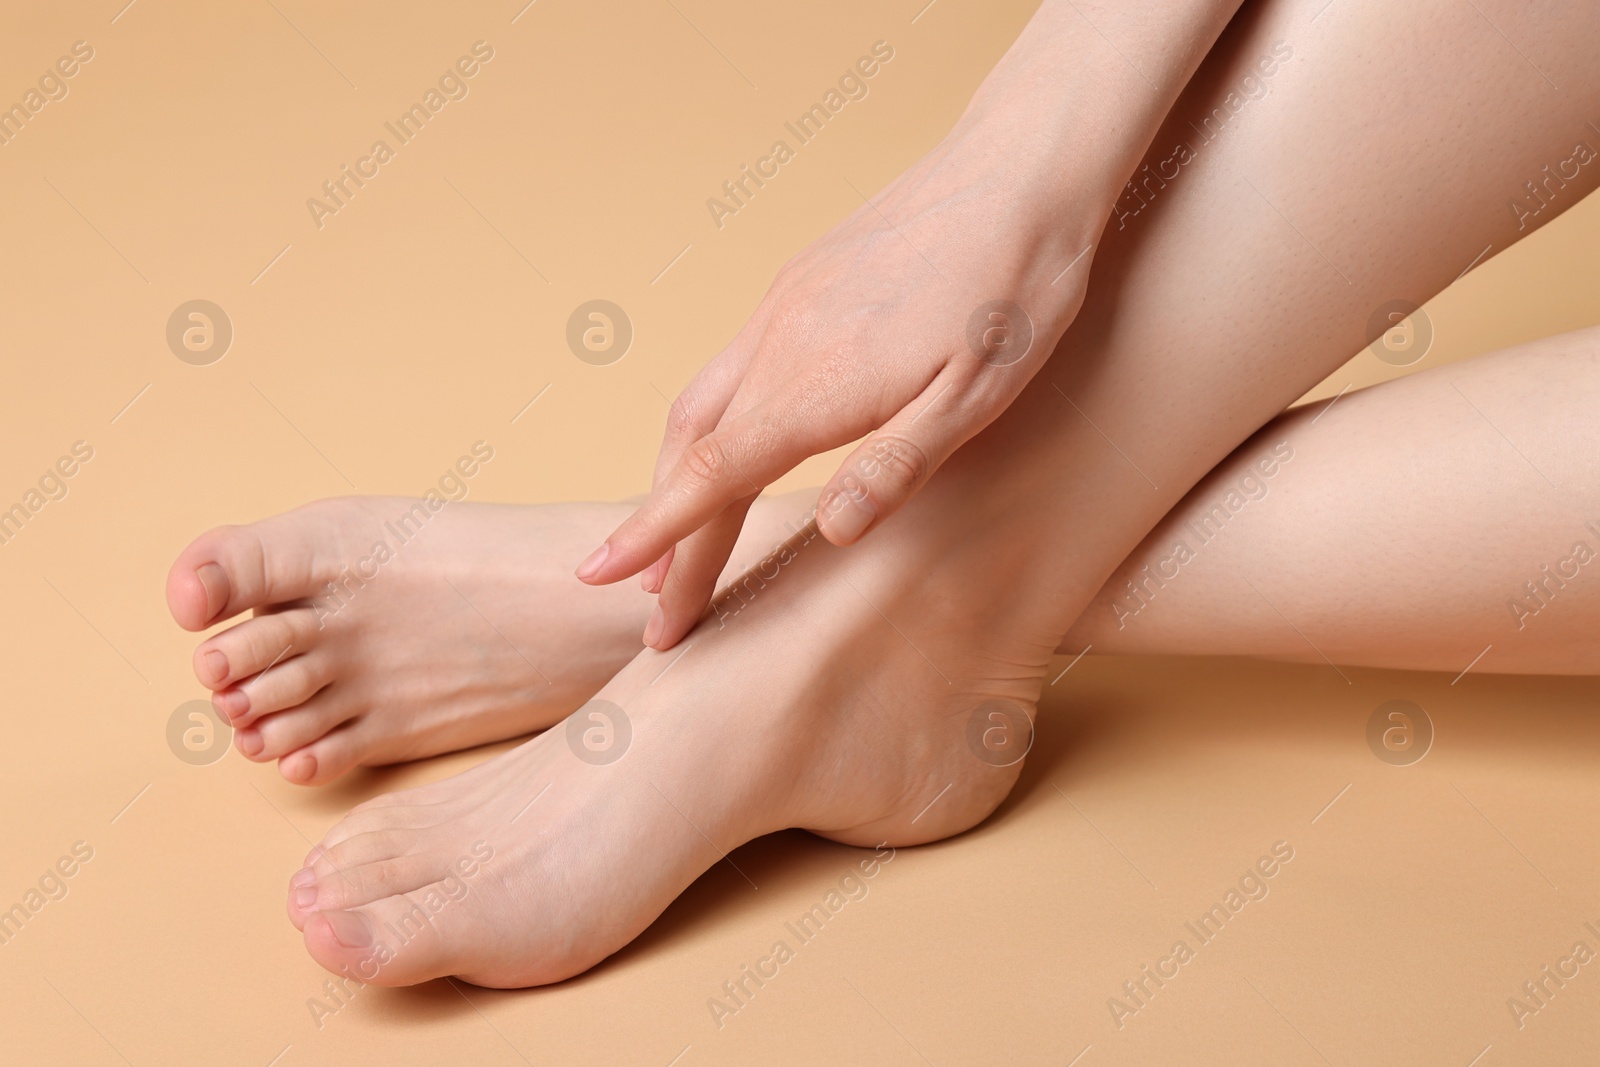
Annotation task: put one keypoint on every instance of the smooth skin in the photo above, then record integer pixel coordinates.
(870, 331)
(387, 688)
(1203, 321)
(1402, 531)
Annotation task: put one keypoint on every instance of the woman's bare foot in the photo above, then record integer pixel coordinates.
(873, 695)
(384, 631)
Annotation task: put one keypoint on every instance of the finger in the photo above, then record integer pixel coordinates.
(701, 404)
(741, 458)
(698, 563)
(704, 401)
(893, 463)
(656, 573)
(696, 412)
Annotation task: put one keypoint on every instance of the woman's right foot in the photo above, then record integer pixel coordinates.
(383, 631)
(877, 695)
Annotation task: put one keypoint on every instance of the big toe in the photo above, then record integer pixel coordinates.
(233, 568)
(197, 593)
(395, 941)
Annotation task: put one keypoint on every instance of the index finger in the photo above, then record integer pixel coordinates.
(737, 459)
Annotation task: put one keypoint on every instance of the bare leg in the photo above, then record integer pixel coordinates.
(1410, 525)
(846, 697)
(1316, 168)
(1255, 267)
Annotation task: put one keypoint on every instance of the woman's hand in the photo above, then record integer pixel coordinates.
(913, 324)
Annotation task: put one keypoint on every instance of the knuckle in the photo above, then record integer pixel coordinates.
(278, 641)
(705, 463)
(793, 323)
(681, 419)
(897, 459)
(381, 877)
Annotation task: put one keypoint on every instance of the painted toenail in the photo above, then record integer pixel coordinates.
(216, 666)
(591, 566)
(653, 628)
(304, 897)
(849, 514)
(302, 878)
(349, 929)
(215, 582)
(250, 742)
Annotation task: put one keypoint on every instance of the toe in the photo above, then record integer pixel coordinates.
(287, 684)
(334, 754)
(284, 732)
(368, 819)
(396, 941)
(232, 568)
(254, 646)
(351, 887)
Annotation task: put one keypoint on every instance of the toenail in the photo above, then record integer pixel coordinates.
(653, 628)
(215, 582)
(234, 703)
(591, 566)
(348, 928)
(305, 896)
(216, 665)
(250, 742)
(304, 767)
(302, 878)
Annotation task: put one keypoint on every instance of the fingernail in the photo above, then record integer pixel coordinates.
(650, 580)
(849, 515)
(250, 742)
(349, 929)
(234, 703)
(591, 566)
(302, 878)
(312, 856)
(216, 666)
(214, 580)
(653, 628)
(304, 897)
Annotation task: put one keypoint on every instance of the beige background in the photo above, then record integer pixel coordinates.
(426, 315)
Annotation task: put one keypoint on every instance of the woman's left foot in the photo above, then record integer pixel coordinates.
(842, 691)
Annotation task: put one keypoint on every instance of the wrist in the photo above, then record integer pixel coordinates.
(1067, 115)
